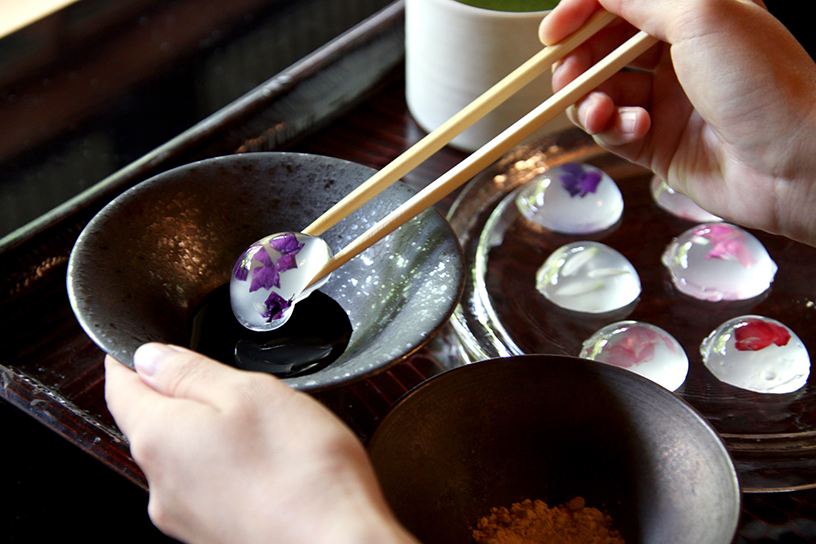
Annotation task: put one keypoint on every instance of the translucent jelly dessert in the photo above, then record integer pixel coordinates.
(679, 204)
(640, 348)
(758, 354)
(588, 277)
(572, 198)
(719, 261)
(272, 275)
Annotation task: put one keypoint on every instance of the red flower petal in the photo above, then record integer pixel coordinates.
(756, 335)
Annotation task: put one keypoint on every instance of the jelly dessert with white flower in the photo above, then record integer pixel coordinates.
(572, 198)
(272, 275)
(679, 204)
(588, 277)
(757, 354)
(719, 261)
(641, 348)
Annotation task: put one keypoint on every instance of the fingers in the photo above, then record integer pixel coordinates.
(626, 126)
(616, 113)
(162, 373)
(174, 371)
(664, 19)
(180, 373)
(594, 113)
(611, 126)
(137, 405)
(127, 396)
(602, 44)
(565, 19)
(626, 88)
(620, 102)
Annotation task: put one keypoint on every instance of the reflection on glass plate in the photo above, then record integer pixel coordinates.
(772, 437)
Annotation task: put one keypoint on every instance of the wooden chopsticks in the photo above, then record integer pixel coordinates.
(457, 124)
(487, 154)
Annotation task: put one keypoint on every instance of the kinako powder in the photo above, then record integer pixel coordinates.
(533, 522)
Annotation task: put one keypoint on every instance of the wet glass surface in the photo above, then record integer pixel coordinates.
(503, 313)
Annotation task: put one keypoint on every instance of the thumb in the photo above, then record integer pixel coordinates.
(181, 373)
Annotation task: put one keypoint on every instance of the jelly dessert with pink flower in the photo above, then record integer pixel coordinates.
(719, 261)
(641, 348)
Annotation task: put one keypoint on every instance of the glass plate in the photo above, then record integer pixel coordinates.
(772, 437)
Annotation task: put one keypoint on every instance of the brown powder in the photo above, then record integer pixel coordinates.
(533, 522)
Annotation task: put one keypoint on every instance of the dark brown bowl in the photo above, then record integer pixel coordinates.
(553, 428)
(141, 267)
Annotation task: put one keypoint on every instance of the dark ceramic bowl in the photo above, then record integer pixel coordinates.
(141, 267)
(553, 428)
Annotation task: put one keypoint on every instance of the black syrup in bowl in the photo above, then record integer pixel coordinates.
(314, 337)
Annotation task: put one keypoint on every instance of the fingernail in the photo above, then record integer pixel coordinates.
(628, 120)
(572, 114)
(149, 357)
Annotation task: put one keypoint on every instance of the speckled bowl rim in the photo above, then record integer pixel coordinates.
(355, 364)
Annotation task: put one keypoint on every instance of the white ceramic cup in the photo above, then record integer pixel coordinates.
(455, 52)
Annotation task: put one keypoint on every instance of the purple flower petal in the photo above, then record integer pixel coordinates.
(241, 268)
(286, 244)
(265, 276)
(275, 306)
(578, 181)
(262, 256)
(239, 271)
(286, 262)
(589, 183)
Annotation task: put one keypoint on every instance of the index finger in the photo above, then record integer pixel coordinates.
(564, 19)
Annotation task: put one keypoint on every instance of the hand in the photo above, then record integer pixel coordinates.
(234, 456)
(723, 110)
